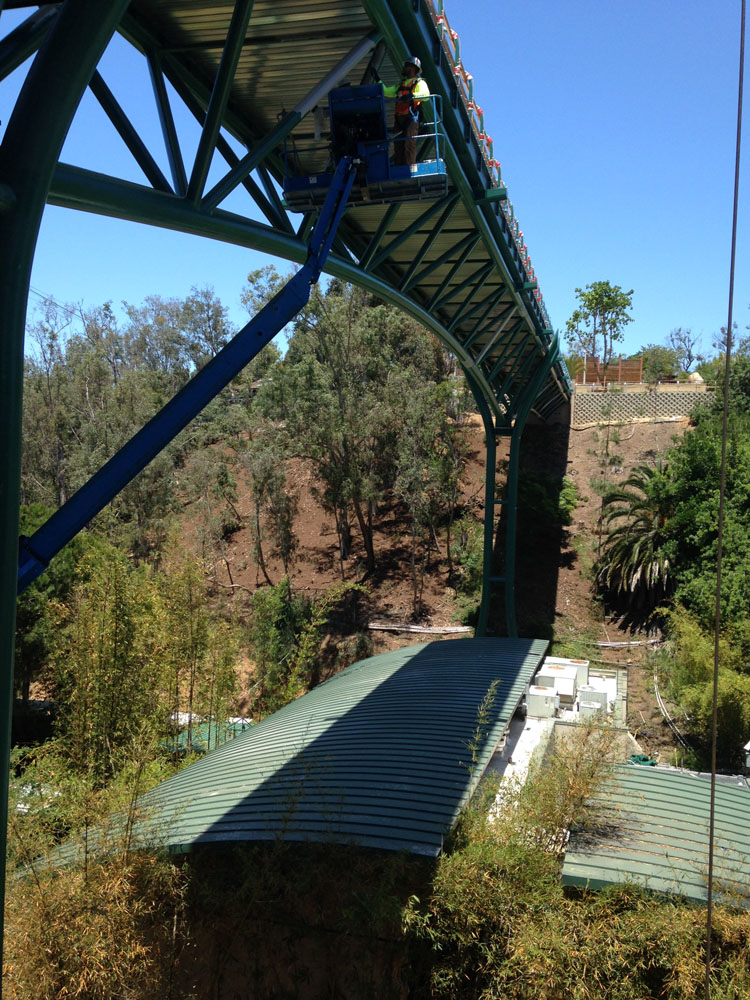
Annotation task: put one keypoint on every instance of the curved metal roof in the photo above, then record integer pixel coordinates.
(379, 755)
(254, 72)
(653, 830)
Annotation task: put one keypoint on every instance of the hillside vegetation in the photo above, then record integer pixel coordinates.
(339, 483)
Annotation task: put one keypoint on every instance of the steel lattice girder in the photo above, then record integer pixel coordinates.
(239, 68)
(459, 267)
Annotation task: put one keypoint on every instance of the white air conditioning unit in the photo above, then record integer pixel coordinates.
(582, 667)
(541, 702)
(588, 692)
(561, 677)
(587, 709)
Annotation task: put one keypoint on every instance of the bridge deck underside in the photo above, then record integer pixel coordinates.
(454, 259)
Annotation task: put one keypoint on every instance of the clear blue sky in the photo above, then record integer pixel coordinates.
(615, 126)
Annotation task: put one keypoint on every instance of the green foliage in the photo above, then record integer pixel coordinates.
(695, 473)
(104, 671)
(739, 387)
(35, 619)
(284, 641)
(429, 462)
(659, 363)
(597, 324)
(469, 554)
(132, 647)
(274, 505)
(691, 677)
(634, 560)
(568, 500)
(90, 384)
(574, 363)
(549, 500)
(733, 715)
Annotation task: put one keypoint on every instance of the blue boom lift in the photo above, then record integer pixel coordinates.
(359, 129)
(359, 151)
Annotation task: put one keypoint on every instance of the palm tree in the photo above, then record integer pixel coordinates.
(634, 561)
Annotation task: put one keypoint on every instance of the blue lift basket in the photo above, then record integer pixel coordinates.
(359, 128)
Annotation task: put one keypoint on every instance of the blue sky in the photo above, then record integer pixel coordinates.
(615, 126)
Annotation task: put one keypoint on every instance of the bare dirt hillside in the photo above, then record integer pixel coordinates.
(554, 593)
(577, 613)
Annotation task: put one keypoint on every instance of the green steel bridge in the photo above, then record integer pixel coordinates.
(259, 71)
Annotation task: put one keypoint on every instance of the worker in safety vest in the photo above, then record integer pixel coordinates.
(409, 94)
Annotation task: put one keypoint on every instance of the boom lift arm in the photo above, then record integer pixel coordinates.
(36, 552)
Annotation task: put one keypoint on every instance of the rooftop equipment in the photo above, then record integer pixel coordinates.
(587, 709)
(582, 666)
(541, 702)
(563, 679)
(587, 692)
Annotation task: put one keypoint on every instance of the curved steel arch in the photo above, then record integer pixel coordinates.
(72, 188)
(457, 266)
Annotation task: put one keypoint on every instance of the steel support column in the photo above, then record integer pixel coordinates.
(510, 501)
(489, 508)
(34, 136)
(510, 507)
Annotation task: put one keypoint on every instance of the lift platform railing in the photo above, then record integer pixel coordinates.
(358, 125)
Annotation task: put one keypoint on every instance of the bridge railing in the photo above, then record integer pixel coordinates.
(450, 44)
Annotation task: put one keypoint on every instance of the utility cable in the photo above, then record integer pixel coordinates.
(722, 491)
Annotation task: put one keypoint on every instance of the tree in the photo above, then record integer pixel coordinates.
(659, 363)
(105, 668)
(35, 610)
(686, 346)
(596, 326)
(428, 470)
(272, 501)
(330, 393)
(634, 562)
(206, 325)
(198, 653)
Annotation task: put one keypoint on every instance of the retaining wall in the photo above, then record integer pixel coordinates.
(592, 405)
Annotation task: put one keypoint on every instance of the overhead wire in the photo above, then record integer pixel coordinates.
(720, 520)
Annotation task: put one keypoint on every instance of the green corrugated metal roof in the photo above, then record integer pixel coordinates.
(654, 831)
(377, 756)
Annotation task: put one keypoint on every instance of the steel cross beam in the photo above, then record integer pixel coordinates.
(73, 187)
(219, 97)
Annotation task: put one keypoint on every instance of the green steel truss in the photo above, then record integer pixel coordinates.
(254, 72)
(455, 264)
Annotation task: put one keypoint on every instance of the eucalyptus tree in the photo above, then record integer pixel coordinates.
(686, 345)
(328, 396)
